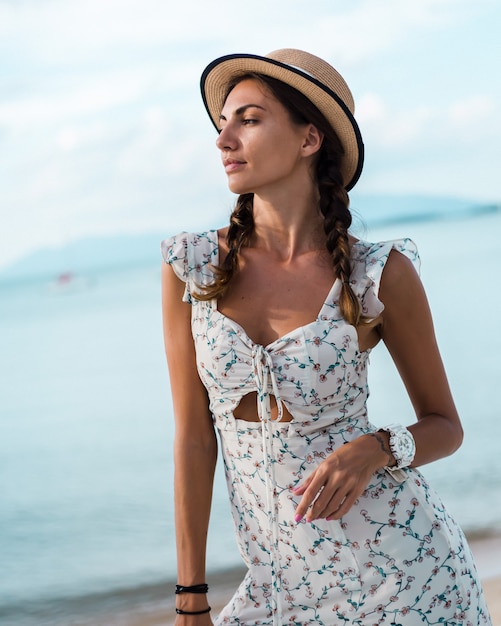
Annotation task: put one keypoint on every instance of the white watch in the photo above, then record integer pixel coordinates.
(402, 445)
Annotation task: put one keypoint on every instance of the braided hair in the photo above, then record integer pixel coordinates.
(333, 203)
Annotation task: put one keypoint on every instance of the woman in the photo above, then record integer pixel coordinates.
(268, 327)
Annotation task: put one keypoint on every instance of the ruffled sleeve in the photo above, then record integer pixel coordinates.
(191, 256)
(369, 261)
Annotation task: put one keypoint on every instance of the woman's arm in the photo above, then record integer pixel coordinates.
(408, 333)
(407, 330)
(195, 446)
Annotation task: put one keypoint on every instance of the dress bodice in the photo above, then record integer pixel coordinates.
(316, 370)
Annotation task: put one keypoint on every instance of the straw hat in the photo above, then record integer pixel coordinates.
(310, 75)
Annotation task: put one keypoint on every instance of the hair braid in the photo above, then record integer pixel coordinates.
(333, 205)
(239, 233)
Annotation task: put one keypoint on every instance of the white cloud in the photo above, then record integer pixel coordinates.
(390, 128)
(365, 29)
(371, 109)
(72, 30)
(474, 111)
(457, 122)
(87, 96)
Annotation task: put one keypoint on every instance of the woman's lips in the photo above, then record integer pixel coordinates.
(231, 165)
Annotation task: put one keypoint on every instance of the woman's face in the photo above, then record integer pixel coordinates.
(261, 148)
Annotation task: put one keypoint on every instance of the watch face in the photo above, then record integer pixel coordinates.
(407, 445)
(403, 447)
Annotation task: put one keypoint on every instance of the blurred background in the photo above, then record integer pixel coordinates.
(106, 149)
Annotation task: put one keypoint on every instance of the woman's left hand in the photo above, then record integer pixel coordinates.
(339, 480)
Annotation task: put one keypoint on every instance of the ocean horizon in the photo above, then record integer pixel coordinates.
(86, 424)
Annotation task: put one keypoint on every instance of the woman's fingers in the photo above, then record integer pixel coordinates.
(309, 491)
(344, 507)
(323, 508)
(316, 495)
(325, 496)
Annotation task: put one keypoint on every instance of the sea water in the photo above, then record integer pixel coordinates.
(86, 426)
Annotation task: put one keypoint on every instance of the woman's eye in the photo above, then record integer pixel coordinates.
(249, 121)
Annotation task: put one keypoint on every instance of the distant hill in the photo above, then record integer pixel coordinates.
(88, 255)
(379, 210)
(91, 255)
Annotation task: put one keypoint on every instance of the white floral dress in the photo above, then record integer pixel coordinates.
(397, 557)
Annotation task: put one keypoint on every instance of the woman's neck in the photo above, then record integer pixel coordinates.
(289, 226)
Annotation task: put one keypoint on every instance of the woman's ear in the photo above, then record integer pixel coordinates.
(312, 140)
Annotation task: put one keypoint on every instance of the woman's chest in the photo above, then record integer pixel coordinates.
(270, 300)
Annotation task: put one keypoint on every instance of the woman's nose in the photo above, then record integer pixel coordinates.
(226, 139)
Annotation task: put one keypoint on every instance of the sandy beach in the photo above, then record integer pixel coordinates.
(487, 552)
(157, 610)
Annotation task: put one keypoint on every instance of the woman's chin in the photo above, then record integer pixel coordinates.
(237, 188)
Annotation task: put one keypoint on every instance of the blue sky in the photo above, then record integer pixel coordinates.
(102, 129)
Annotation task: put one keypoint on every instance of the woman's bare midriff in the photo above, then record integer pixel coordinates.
(247, 409)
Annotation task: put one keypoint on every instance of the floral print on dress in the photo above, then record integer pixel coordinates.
(397, 557)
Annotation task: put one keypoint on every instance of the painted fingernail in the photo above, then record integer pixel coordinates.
(298, 518)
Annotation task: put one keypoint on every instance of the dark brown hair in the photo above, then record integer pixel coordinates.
(333, 204)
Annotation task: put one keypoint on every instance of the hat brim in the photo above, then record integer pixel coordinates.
(222, 71)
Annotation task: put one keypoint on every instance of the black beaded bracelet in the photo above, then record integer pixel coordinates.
(181, 612)
(203, 588)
